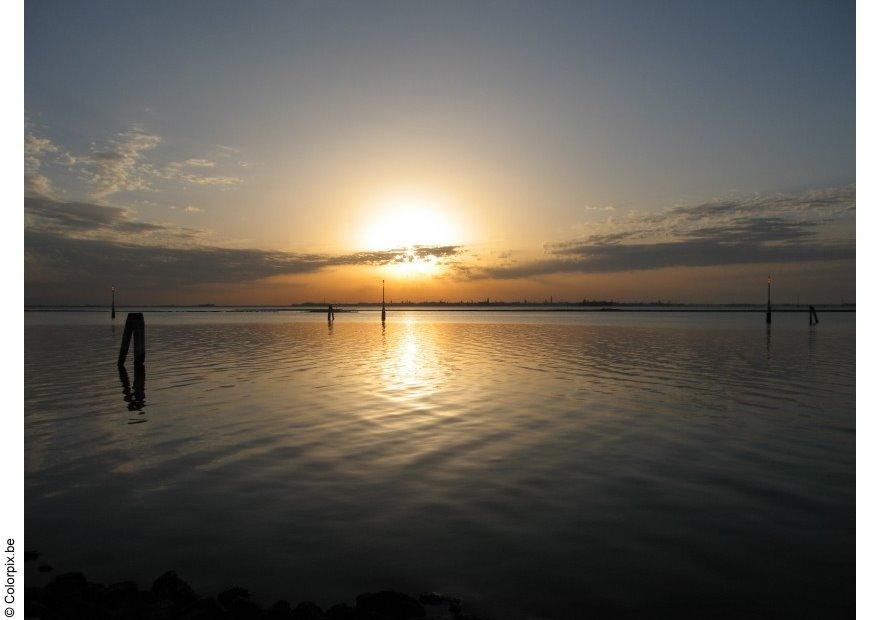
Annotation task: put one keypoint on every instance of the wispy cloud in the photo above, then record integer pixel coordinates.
(35, 149)
(189, 172)
(118, 165)
(128, 162)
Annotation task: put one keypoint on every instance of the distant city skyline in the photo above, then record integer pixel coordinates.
(196, 153)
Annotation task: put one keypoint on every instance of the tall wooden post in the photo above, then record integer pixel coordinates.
(383, 313)
(769, 301)
(113, 302)
(135, 328)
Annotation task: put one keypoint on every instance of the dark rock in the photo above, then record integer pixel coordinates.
(280, 610)
(245, 610)
(236, 602)
(126, 600)
(34, 603)
(307, 611)
(71, 595)
(388, 605)
(170, 587)
(203, 609)
(431, 598)
(71, 585)
(341, 611)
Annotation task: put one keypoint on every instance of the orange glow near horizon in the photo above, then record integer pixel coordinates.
(412, 267)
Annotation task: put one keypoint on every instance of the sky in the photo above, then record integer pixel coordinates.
(281, 152)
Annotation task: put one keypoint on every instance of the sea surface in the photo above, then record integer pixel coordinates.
(536, 464)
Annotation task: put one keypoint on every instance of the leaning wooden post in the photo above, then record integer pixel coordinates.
(135, 328)
(812, 316)
(113, 302)
(769, 302)
(383, 314)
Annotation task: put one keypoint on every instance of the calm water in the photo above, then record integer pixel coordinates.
(538, 465)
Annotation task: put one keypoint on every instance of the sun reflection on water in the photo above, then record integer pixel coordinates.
(411, 371)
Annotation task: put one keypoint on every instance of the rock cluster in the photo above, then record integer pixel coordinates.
(72, 596)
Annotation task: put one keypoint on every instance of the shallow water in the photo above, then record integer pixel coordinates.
(535, 464)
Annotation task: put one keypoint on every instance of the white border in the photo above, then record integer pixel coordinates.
(12, 307)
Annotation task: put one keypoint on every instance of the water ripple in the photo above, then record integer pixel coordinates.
(513, 463)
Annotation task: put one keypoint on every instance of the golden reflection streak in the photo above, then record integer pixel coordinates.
(411, 370)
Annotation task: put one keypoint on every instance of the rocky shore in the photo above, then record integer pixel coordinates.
(72, 596)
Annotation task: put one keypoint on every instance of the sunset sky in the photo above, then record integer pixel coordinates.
(279, 152)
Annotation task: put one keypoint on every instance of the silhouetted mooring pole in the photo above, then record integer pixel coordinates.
(812, 316)
(135, 398)
(135, 327)
(113, 302)
(383, 313)
(769, 301)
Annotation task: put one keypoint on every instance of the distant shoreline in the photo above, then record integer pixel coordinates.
(447, 308)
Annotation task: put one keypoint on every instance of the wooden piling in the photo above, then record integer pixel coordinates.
(769, 302)
(135, 398)
(383, 313)
(113, 302)
(812, 316)
(135, 328)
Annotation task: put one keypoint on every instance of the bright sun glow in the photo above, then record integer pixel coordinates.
(405, 224)
(409, 223)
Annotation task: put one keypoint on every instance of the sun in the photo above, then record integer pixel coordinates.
(408, 223)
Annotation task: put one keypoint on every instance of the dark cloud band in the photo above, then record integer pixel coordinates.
(813, 226)
(91, 244)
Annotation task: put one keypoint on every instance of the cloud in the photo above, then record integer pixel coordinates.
(125, 163)
(36, 184)
(83, 219)
(634, 257)
(199, 163)
(191, 209)
(118, 165)
(35, 148)
(89, 244)
(188, 172)
(812, 226)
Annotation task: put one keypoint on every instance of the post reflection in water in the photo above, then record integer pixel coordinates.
(136, 397)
